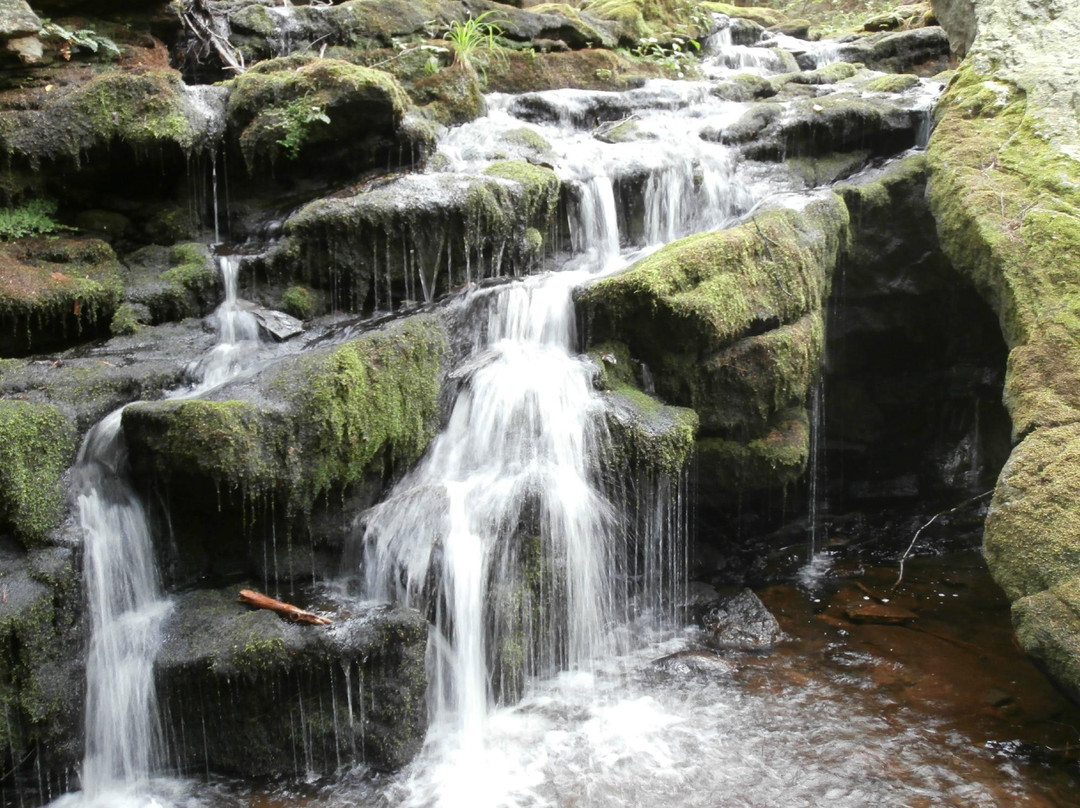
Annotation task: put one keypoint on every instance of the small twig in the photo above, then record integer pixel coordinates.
(929, 522)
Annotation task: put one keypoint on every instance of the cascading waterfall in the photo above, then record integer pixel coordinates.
(123, 592)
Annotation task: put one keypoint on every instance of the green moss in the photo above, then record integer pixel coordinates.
(192, 269)
(893, 83)
(541, 186)
(298, 301)
(830, 74)
(258, 656)
(124, 321)
(527, 138)
(649, 434)
(709, 289)
(1007, 204)
(36, 445)
(1048, 629)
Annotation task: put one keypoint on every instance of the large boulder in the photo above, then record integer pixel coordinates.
(1004, 166)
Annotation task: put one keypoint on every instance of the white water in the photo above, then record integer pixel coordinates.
(123, 592)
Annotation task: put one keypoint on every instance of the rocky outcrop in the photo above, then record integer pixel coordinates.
(1004, 166)
(263, 697)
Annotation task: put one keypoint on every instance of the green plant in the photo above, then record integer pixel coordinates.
(298, 301)
(298, 117)
(473, 40)
(34, 218)
(676, 55)
(81, 39)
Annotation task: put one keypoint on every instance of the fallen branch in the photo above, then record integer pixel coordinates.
(929, 522)
(286, 610)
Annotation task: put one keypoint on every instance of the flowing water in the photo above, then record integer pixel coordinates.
(123, 590)
(561, 673)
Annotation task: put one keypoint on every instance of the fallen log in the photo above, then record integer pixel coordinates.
(286, 610)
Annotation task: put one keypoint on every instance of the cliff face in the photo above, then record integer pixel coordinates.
(1004, 187)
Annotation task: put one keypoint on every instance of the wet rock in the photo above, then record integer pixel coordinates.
(267, 697)
(922, 50)
(776, 458)
(957, 17)
(693, 663)
(334, 424)
(590, 69)
(41, 679)
(741, 623)
(416, 236)
(753, 122)
(87, 383)
(836, 123)
(277, 324)
(17, 19)
(173, 282)
(882, 614)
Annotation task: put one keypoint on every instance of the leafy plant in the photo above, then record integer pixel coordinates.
(473, 40)
(35, 218)
(80, 39)
(298, 117)
(676, 55)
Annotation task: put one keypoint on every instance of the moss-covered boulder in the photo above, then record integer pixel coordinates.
(589, 69)
(354, 691)
(637, 20)
(321, 112)
(1003, 184)
(36, 446)
(924, 51)
(256, 466)
(417, 236)
(775, 459)
(729, 323)
(55, 292)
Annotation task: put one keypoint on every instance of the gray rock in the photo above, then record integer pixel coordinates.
(279, 325)
(957, 17)
(17, 19)
(741, 623)
(900, 51)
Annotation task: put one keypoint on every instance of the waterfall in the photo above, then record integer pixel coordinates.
(123, 592)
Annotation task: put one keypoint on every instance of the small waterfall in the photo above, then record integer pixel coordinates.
(126, 611)
(123, 591)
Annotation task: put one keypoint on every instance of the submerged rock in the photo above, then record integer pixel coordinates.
(248, 693)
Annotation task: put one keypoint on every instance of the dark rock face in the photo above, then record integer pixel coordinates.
(247, 693)
(921, 50)
(741, 623)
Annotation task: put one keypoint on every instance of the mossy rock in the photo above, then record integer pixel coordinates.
(744, 87)
(830, 74)
(37, 444)
(419, 235)
(895, 83)
(326, 108)
(1007, 205)
(1031, 540)
(335, 420)
(765, 17)
(636, 20)
(709, 290)
(646, 433)
(173, 282)
(145, 109)
(55, 292)
(1048, 629)
(590, 69)
(41, 683)
(775, 460)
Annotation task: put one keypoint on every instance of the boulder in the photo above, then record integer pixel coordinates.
(920, 50)
(741, 623)
(172, 282)
(17, 20)
(263, 697)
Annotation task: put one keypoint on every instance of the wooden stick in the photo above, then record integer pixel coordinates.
(287, 610)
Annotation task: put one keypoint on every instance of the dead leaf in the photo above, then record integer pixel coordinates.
(59, 276)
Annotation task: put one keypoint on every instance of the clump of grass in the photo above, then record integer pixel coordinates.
(473, 40)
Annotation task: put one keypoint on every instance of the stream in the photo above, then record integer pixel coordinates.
(621, 703)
